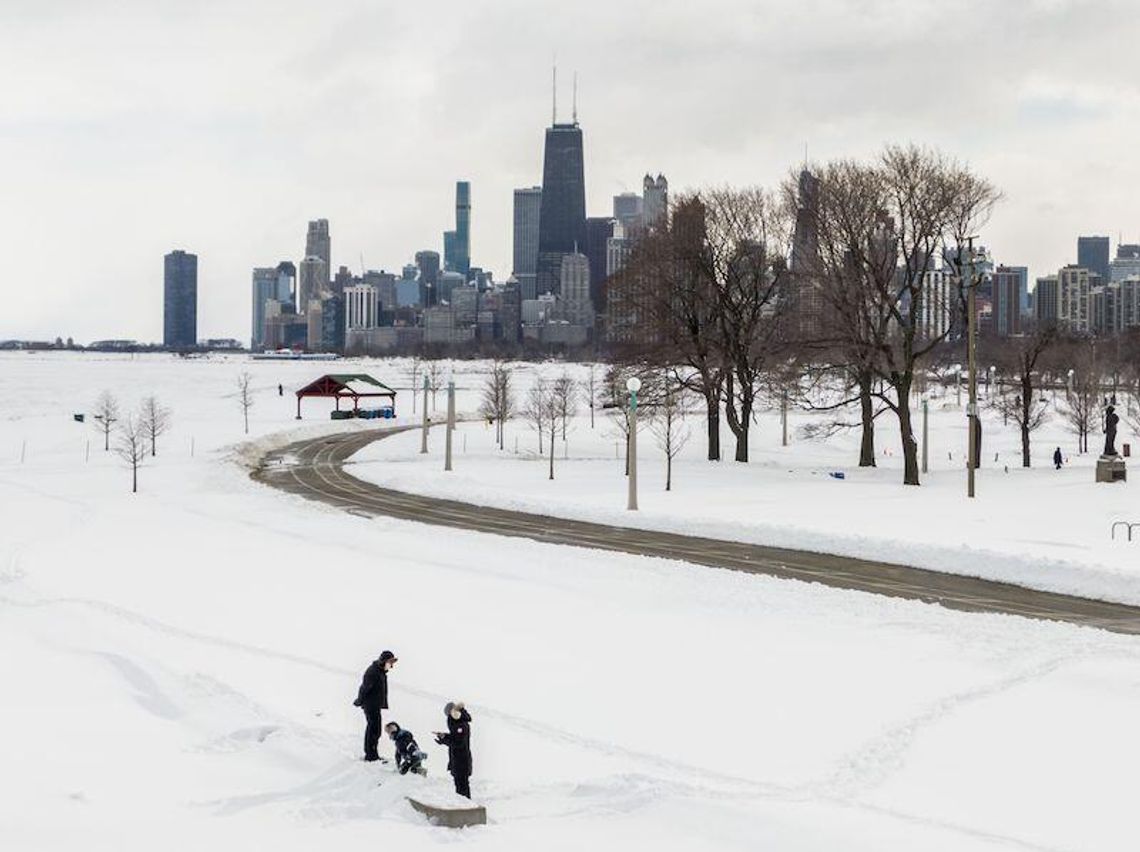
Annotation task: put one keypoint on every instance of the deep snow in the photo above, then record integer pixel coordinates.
(179, 665)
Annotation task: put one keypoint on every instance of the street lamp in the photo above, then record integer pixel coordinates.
(450, 422)
(633, 385)
(925, 432)
(958, 383)
(990, 380)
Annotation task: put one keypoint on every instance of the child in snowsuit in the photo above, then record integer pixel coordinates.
(458, 742)
(409, 758)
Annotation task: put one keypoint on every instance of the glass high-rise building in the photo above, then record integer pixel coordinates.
(264, 290)
(527, 213)
(457, 243)
(180, 300)
(562, 220)
(1092, 254)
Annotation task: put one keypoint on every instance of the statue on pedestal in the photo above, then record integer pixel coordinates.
(1111, 418)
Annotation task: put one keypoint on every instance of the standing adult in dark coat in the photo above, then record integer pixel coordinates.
(458, 742)
(1057, 458)
(372, 699)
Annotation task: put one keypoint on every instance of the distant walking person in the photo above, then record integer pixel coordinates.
(458, 742)
(280, 390)
(1057, 458)
(372, 698)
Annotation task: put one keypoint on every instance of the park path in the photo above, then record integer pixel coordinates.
(314, 469)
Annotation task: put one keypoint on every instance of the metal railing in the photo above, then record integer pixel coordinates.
(1128, 525)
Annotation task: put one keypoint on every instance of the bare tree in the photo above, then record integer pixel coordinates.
(927, 207)
(434, 371)
(542, 411)
(131, 447)
(245, 397)
(155, 420)
(105, 416)
(1085, 381)
(415, 368)
(565, 398)
(497, 403)
(535, 409)
(669, 424)
(1020, 358)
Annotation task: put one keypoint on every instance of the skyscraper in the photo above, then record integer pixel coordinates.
(264, 290)
(807, 291)
(313, 280)
(319, 244)
(1007, 285)
(180, 300)
(562, 220)
(428, 264)
(1092, 254)
(287, 284)
(1073, 299)
(457, 243)
(599, 231)
(527, 213)
(574, 285)
(1045, 300)
(655, 199)
(628, 210)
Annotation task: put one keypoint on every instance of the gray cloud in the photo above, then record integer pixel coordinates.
(130, 128)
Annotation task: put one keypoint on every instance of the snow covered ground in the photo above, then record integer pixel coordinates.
(178, 668)
(1040, 527)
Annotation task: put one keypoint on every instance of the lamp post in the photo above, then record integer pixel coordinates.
(990, 380)
(958, 384)
(450, 423)
(633, 385)
(423, 441)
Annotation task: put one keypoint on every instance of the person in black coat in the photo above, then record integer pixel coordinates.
(372, 698)
(458, 742)
(409, 758)
(1057, 458)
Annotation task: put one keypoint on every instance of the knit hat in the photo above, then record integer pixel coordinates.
(385, 656)
(448, 707)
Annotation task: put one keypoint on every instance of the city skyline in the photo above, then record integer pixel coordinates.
(112, 177)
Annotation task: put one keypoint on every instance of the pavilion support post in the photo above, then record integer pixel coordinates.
(298, 406)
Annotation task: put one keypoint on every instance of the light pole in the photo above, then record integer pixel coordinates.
(784, 417)
(633, 385)
(990, 380)
(423, 441)
(450, 423)
(958, 384)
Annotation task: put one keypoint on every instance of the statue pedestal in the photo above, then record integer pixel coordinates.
(1111, 469)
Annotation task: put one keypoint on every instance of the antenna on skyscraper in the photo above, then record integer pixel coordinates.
(574, 102)
(554, 92)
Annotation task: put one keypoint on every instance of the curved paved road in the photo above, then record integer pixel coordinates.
(313, 469)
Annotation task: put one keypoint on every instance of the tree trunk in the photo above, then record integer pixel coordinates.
(738, 422)
(714, 430)
(1026, 409)
(134, 479)
(909, 444)
(669, 470)
(867, 405)
(553, 430)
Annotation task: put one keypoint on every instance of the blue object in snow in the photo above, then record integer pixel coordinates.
(837, 474)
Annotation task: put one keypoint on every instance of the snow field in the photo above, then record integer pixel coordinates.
(179, 665)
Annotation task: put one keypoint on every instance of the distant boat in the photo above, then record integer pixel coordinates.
(290, 355)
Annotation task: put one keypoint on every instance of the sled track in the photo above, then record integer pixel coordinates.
(313, 468)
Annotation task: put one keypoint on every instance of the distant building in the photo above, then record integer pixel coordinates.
(575, 290)
(1126, 264)
(465, 304)
(314, 326)
(1045, 300)
(264, 291)
(427, 264)
(180, 300)
(1092, 254)
(361, 307)
(1074, 299)
(655, 200)
(457, 243)
(342, 279)
(287, 285)
(562, 220)
(937, 303)
(1007, 300)
(628, 210)
(319, 244)
(527, 213)
(312, 281)
(806, 297)
(599, 231)
(333, 324)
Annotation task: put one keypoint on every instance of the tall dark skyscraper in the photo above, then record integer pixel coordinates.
(527, 209)
(319, 244)
(562, 220)
(180, 300)
(599, 230)
(807, 296)
(427, 264)
(457, 243)
(1092, 254)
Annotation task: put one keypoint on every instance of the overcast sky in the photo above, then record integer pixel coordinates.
(131, 128)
